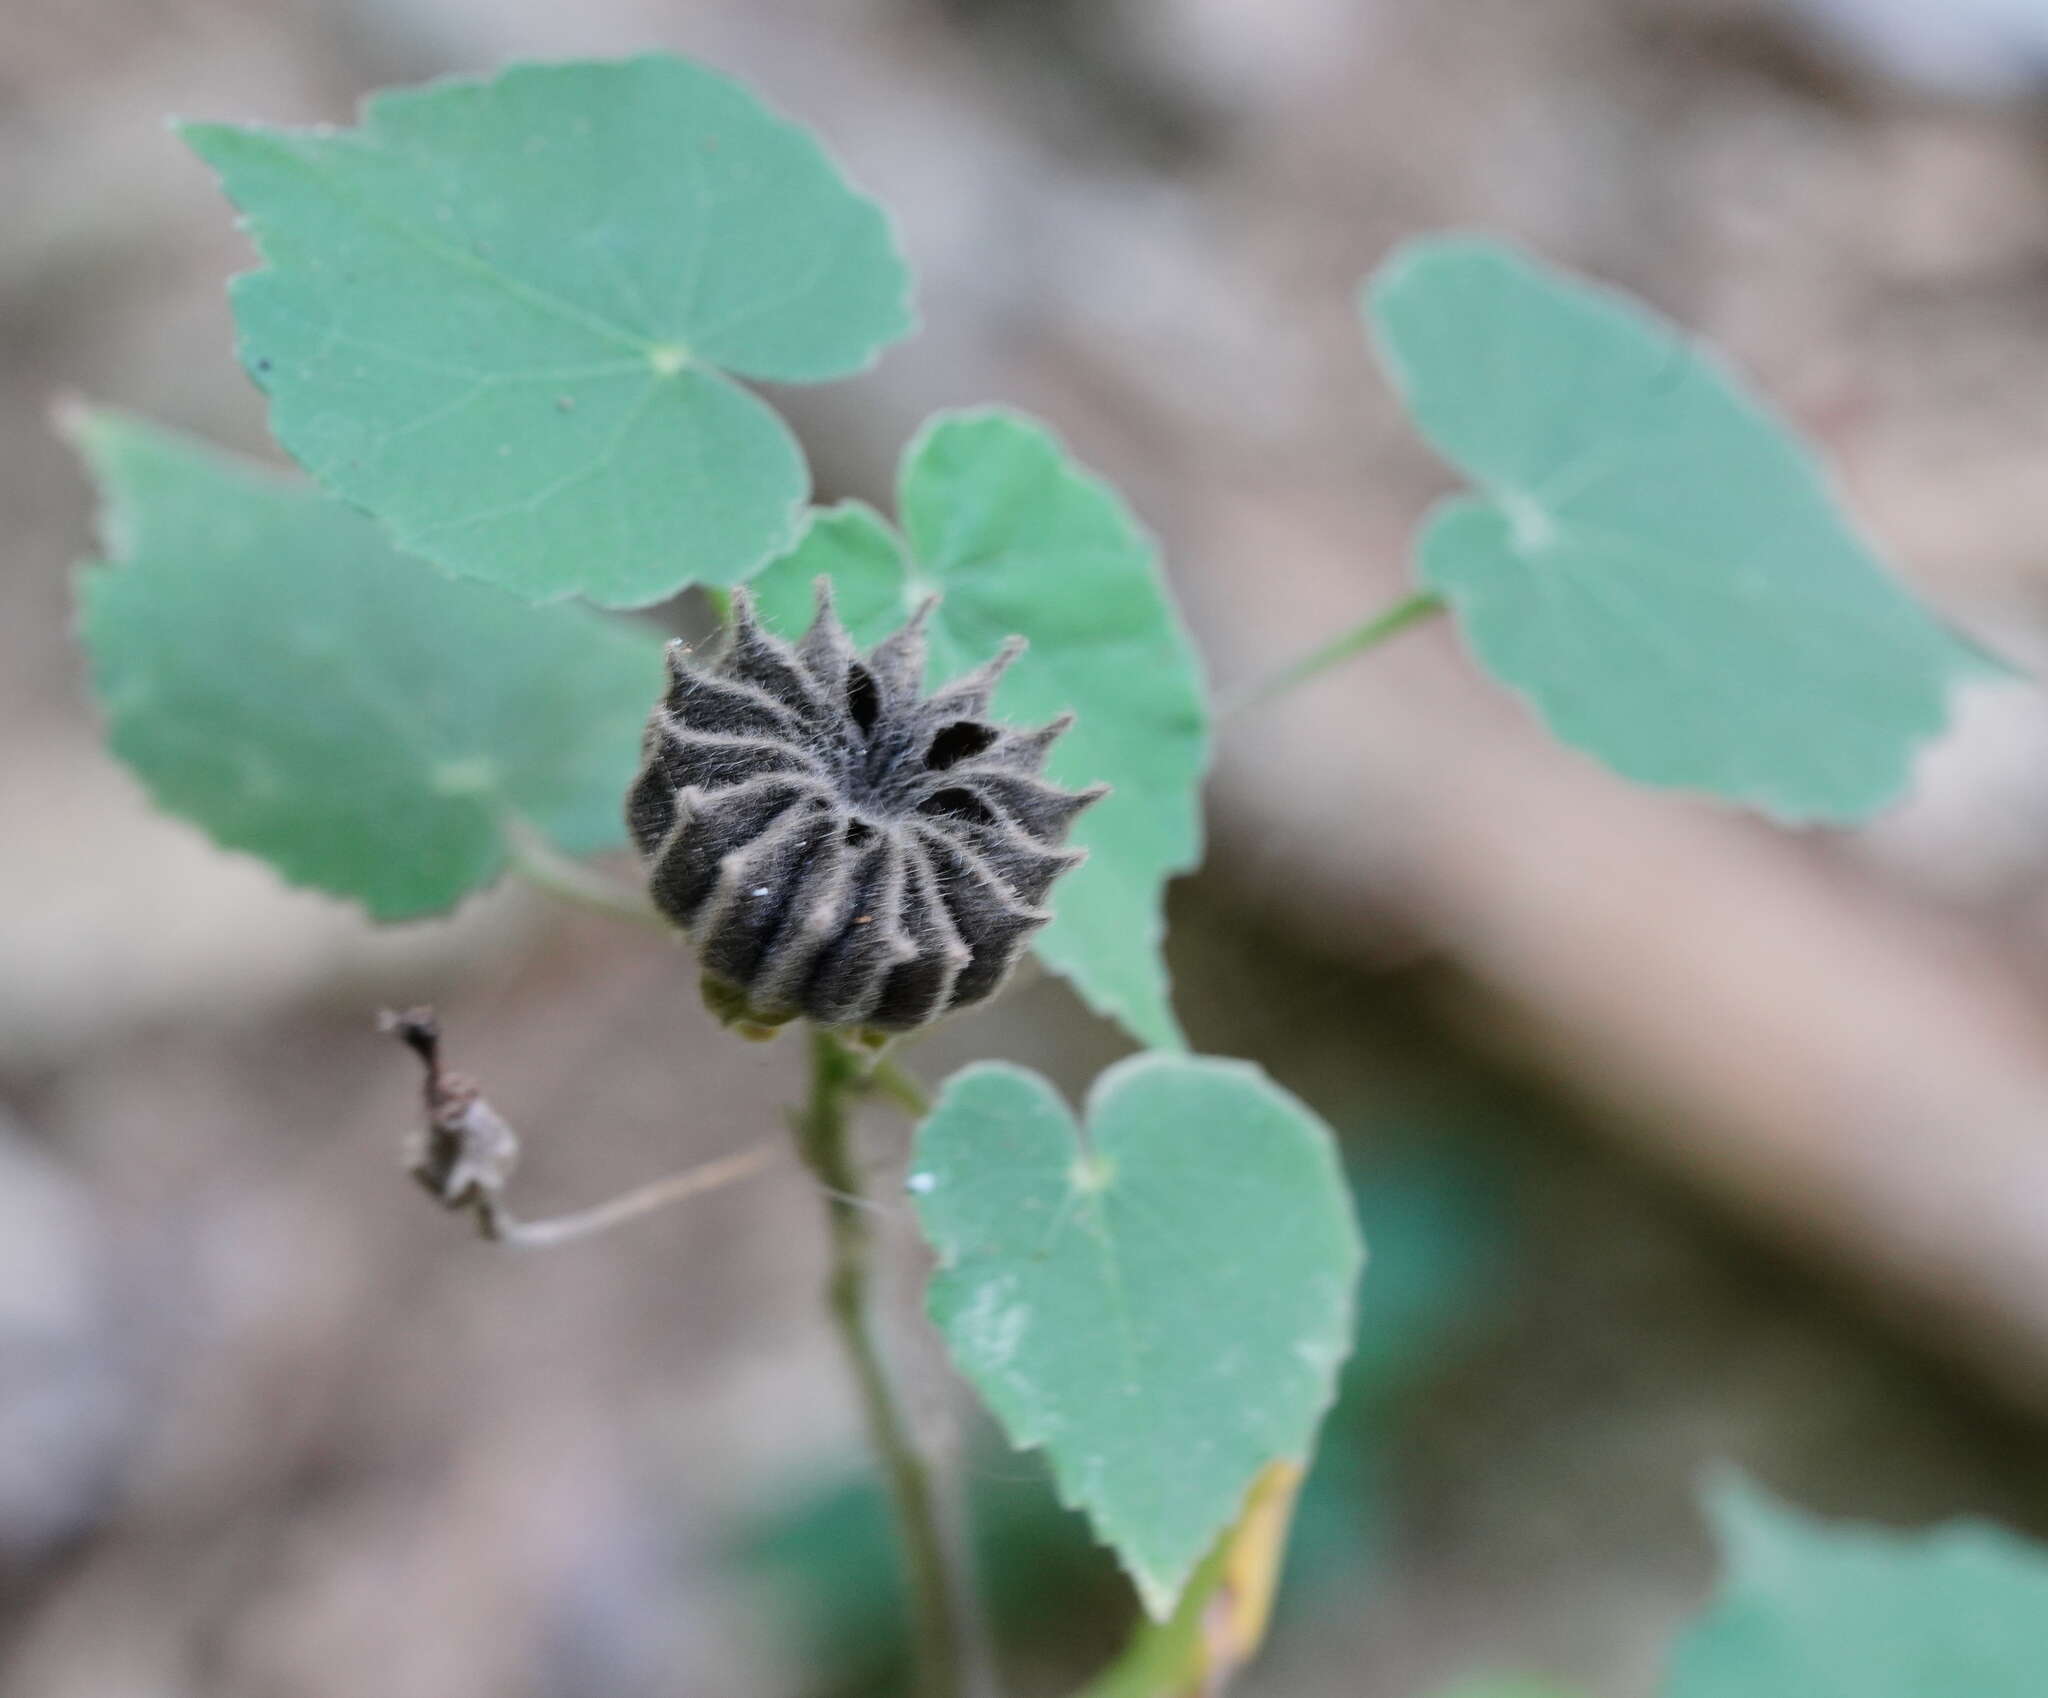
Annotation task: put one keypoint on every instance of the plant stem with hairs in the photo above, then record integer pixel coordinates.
(951, 1657)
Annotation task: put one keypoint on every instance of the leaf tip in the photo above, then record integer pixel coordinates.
(209, 140)
(1747, 1520)
(77, 422)
(101, 437)
(1409, 262)
(1158, 1592)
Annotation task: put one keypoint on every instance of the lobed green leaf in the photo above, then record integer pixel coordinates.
(1812, 1610)
(505, 317)
(1016, 538)
(277, 674)
(1655, 562)
(1160, 1301)
(859, 550)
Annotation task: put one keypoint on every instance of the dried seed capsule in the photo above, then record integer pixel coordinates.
(837, 845)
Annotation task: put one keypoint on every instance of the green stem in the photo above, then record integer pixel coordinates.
(950, 1660)
(886, 1079)
(1412, 610)
(546, 868)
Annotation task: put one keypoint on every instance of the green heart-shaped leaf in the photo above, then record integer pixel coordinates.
(277, 674)
(1162, 1304)
(1018, 539)
(501, 317)
(1656, 562)
(1812, 1610)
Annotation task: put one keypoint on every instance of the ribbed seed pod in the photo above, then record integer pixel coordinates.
(837, 845)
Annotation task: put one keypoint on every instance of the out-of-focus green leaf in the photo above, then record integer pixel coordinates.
(1161, 1304)
(277, 674)
(1017, 539)
(1655, 561)
(1438, 1228)
(505, 316)
(1807, 1609)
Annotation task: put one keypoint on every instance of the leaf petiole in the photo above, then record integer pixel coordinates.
(567, 879)
(1411, 610)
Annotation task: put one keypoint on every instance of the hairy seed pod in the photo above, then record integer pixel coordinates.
(837, 845)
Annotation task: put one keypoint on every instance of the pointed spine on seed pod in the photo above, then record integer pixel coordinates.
(838, 845)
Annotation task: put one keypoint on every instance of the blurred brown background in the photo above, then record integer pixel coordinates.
(1680, 1138)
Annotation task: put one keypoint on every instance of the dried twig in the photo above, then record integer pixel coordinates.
(465, 1155)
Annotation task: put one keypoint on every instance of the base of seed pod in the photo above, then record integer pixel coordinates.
(729, 1007)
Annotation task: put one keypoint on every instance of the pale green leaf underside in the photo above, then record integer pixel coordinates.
(500, 316)
(1018, 539)
(277, 674)
(1807, 1609)
(1161, 1304)
(1656, 562)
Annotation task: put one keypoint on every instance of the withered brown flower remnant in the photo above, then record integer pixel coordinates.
(838, 845)
(465, 1153)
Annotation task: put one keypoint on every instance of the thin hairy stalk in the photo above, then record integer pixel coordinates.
(1411, 610)
(465, 1153)
(641, 1200)
(952, 1661)
(546, 868)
